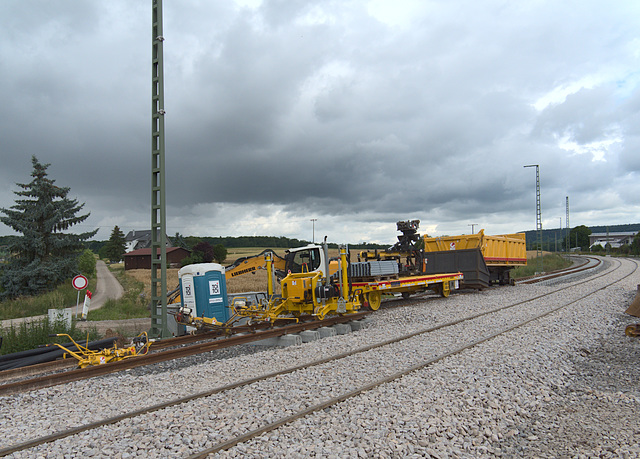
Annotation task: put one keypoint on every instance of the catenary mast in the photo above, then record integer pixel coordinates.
(159, 327)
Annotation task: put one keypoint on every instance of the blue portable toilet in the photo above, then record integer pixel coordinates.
(203, 289)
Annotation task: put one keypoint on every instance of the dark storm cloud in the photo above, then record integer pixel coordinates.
(355, 112)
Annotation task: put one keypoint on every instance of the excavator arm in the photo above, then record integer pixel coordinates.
(251, 264)
(302, 259)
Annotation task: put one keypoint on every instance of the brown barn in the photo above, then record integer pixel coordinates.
(141, 258)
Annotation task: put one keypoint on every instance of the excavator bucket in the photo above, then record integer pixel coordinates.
(634, 307)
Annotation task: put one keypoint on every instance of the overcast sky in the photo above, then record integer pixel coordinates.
(354, 113)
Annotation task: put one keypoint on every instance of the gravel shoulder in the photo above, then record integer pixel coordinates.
(597, 412)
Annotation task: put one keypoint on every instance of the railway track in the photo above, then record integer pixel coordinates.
(584, 263)
(52, 373)
(176, 348)
(458, 344)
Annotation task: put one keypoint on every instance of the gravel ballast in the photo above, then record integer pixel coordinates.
(562, 386)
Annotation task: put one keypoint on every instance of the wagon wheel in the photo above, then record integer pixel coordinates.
(632, 330)
(374, 299)
(442, 289)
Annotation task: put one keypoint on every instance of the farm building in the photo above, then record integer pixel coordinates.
(139, 239)
(141, 258)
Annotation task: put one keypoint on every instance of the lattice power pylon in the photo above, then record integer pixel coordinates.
(159, 327)
(538, 218)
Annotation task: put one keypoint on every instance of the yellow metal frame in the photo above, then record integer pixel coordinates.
(87, 357)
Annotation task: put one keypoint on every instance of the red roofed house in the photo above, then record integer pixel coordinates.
(141, 258)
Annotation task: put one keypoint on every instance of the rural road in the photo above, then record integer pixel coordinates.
(107, 287)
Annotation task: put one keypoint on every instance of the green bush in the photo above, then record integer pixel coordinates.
(63, 296)
(87, 263)
(30, 335)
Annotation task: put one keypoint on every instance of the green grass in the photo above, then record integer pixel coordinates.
(63, 296)
(31, 335)
(549, 262)
(132, 305)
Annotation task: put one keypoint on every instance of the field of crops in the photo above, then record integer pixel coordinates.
(248, 283)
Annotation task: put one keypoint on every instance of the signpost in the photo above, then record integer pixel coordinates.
(85, 307)
(79, 283)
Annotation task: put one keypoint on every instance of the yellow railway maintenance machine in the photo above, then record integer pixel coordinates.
(346, 290)
(87, 357)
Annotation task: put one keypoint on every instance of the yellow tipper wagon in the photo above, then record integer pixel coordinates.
(500, 253)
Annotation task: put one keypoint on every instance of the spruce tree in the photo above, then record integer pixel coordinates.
(44, 256)
(116, 245)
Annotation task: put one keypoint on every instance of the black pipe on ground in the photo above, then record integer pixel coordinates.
(50, 354)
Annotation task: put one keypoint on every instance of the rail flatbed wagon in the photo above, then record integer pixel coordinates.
(441, 284)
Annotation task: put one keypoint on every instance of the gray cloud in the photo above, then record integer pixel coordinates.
(356, 113)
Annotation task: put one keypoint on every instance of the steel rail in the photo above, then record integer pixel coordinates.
(335, 400)
(65, 364)
(50, 367)
(37, 369)
(112, 420)
(560, 272)
(171, 354)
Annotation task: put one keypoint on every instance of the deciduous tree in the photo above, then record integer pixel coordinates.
(87, 263)
(219, 253)
(579, 237)
(635, 245)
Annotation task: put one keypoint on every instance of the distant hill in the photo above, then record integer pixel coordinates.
(628, 228)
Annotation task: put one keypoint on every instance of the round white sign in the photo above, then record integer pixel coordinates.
(80, 282)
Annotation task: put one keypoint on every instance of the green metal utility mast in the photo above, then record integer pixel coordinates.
(538, 217)
(568, 227)
(159, 328)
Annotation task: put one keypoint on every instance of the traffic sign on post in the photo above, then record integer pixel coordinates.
(80, 282)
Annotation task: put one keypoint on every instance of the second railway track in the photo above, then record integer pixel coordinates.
(387, 359)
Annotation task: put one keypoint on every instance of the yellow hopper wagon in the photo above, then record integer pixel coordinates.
(483, 259)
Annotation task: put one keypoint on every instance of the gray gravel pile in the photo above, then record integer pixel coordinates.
(564, 385)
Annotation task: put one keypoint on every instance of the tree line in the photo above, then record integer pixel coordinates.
(209, 248)
(557, 240)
